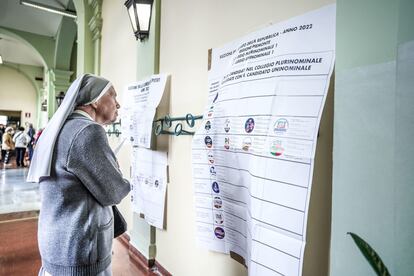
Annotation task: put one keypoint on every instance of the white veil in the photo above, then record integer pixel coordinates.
(92, 88)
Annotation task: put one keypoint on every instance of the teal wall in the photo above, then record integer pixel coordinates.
(373, 187)
(404, 149)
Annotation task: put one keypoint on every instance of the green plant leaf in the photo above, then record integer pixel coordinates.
(372, 257)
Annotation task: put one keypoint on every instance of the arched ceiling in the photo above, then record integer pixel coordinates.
(15, 51)
(15, 16)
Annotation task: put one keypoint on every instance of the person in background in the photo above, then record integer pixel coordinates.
(80, 181)
(7, 145)
(21, 140)
(37, 136)
(31, 132)
(2, 130)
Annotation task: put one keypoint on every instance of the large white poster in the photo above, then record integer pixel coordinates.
(253, 156)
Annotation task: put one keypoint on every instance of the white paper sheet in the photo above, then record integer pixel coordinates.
(149, 184)
(140, 101)
(253, 156)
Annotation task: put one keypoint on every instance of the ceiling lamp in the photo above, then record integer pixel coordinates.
(139, 12)
(48, 8)
(59, 98)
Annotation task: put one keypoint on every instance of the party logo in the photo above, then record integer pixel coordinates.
(212, 171)
(227, 125)
(281, 126)
(210, 111)
(210, 157)
(208, 141)
(249, 125)
(218, 217)
(227, 143)
(217, 202)
(207, 127)
(215, 187)
(219, 232)
(276, 148)
(247, 143)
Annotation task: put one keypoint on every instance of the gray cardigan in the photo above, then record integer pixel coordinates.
(75, 228)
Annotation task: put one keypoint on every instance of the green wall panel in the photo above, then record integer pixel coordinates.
(373, 128)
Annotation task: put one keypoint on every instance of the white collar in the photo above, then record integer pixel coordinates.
(83, 113)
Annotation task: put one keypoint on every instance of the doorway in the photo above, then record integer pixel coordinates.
(10, 118)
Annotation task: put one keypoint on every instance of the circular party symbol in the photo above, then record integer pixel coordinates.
(249, 125)
(207, 127)
(276, 148)
(218, 217)
(281, 126)
(247, 143)
(212, 171)
(208, 141)
(227, 125)
(215, 187)
(219, 232)
(227, 143)
(210, 157)
(217, 202)
(210, 111)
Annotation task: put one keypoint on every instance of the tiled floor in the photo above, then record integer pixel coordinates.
(19, 254)
(16, 195)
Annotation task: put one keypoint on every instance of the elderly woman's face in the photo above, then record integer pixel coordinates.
(107, 107)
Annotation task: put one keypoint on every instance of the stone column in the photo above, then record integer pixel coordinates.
(95, 26)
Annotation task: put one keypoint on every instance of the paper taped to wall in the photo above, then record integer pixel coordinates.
(149, 185)
(139, 104)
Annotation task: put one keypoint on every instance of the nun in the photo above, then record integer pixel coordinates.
(79, 182)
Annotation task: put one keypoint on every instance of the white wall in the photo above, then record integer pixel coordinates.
(17, 93)
(188, 29)
(118, 64)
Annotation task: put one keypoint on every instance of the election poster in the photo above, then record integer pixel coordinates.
(253, 155)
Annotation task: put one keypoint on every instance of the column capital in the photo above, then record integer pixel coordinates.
(60, 79)
(95, 23)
